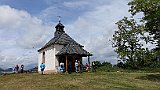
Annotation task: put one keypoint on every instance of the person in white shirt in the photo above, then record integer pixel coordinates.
(76, 65)
(62, 67)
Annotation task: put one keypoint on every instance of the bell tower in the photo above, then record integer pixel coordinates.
(59, 29)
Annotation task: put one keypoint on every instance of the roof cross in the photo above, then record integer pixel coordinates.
(59, 17)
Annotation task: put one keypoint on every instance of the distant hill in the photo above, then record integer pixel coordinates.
(1, 70)
(8, 70)
(30, 66)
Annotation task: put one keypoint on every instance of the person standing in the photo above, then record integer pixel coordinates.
(87, 67)
(42, 66)
(22, 67)
(94, 66)
(76, 65)
(61, 67)
(17, 68)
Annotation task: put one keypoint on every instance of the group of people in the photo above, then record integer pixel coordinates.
(16, 68)
(93, 67)
(78, 67)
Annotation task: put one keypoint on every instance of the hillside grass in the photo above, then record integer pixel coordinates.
(84, 81)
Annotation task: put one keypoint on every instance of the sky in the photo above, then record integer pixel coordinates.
(26, 25)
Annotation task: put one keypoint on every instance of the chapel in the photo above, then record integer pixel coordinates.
(61, 48)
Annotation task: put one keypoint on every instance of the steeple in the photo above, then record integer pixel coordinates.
(59, 29)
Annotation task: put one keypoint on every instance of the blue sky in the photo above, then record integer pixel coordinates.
(26, 25)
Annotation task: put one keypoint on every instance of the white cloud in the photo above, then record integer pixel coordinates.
(21, 27)
(77, 4)
(19, 33)
(94, 29)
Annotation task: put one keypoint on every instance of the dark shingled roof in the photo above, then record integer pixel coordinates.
(70, 45)
(63, 39)
(73, 49)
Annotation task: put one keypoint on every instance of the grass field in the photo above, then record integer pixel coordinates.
(84, 81)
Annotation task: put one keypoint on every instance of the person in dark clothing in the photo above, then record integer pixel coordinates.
(22, 67)
(17, 68)
(61, 67)
(93, 66)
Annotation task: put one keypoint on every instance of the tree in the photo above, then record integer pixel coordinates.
(151, 18)
(127, 40)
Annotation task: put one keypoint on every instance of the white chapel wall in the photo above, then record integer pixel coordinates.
(51, 61)
(57, 49)
(49, 58)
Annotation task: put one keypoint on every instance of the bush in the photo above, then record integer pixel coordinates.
(107, 67)
(106, 64)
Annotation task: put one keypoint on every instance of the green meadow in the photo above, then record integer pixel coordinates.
(85, 81)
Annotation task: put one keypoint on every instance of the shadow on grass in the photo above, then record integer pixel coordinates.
(151, 77)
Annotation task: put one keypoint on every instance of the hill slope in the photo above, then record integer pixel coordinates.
(84, 81)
